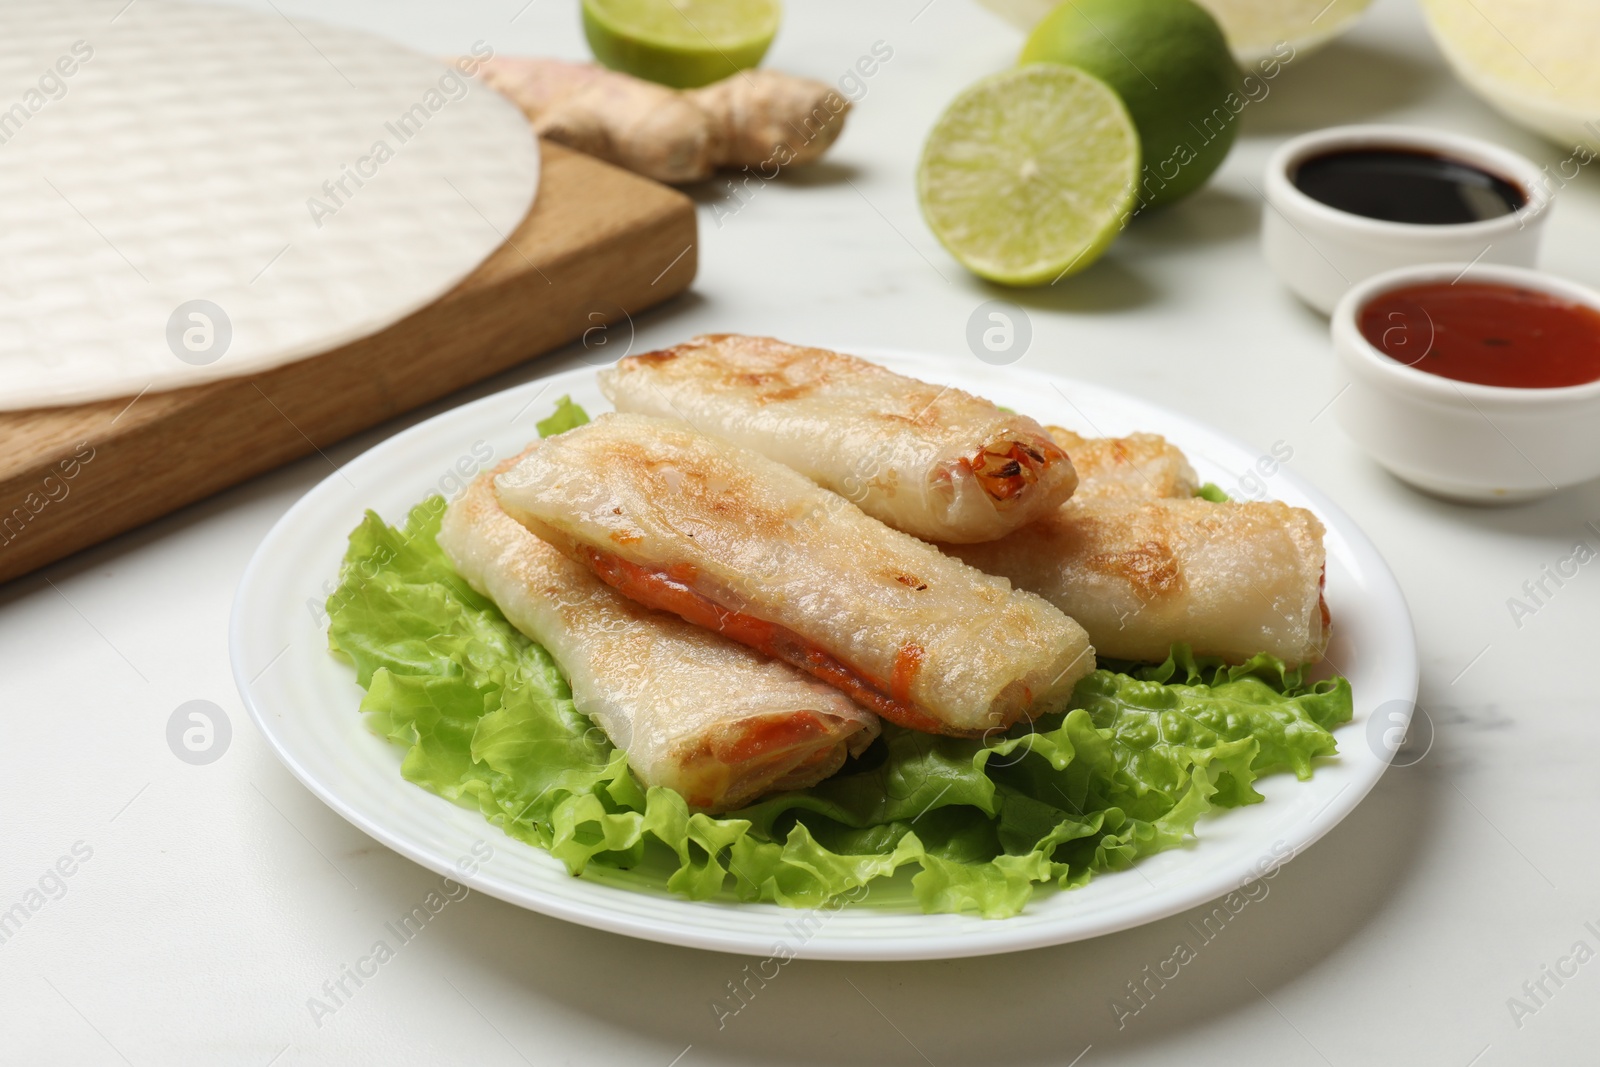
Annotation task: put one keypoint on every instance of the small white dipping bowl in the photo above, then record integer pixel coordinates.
(1321, 251)
(1482, 444)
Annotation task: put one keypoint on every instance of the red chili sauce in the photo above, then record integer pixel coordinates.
(1485, 333)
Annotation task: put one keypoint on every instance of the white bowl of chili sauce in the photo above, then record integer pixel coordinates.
(1479, 383)
(1350, 202)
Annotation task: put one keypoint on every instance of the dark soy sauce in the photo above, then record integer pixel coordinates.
(1405, 185)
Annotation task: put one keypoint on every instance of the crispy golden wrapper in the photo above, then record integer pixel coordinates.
(930, 460)
(1141, 572)
(746, 546)
(715, 721)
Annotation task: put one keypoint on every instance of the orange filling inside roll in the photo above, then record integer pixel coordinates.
(666, 591)
(1007, 468)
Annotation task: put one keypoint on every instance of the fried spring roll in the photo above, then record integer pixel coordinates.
(931, 461)
(1140, 466)
(709, 718)
(1230, 580)
(747, 547)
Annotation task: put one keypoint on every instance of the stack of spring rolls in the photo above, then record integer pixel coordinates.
(767, 549)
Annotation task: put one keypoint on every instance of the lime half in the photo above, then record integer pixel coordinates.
(1030, 174)
(682, 43)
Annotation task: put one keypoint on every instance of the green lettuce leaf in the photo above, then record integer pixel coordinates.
(487, 721)
(1213, 492)
(567, 416)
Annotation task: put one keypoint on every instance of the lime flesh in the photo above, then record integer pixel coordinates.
(1030, 174)
(681, 43)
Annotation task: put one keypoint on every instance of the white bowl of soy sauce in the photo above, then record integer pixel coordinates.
(1351, 202)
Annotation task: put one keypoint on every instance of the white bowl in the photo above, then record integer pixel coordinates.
(1483, 444)
(1320, 251)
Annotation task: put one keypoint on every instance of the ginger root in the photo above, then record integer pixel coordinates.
(756, 118)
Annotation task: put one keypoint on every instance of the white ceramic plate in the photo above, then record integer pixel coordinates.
(305, 701)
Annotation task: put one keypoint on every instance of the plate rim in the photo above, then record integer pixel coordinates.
(990, 937)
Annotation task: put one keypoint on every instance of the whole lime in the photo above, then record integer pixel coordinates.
(1170, 63)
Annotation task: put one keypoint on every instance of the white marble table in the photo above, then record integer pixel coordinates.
(206, 904)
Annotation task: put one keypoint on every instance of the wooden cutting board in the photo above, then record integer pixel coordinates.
(599, 243)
